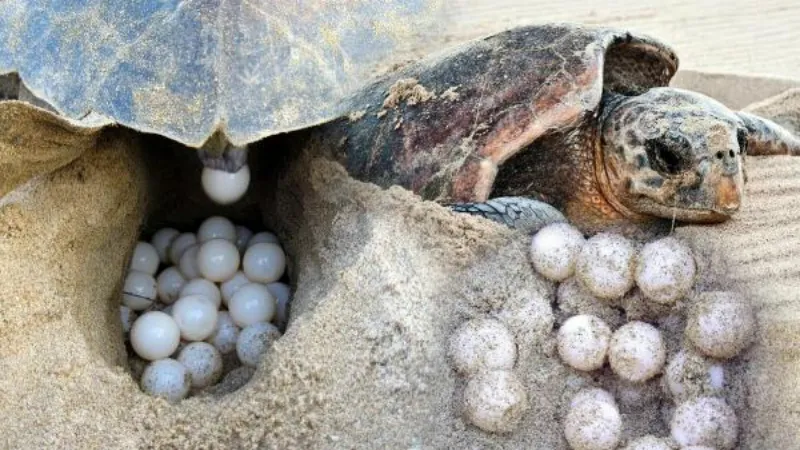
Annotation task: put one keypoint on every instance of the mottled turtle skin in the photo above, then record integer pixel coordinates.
(580, 118)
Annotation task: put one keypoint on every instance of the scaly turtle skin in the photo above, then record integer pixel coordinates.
(579, 118)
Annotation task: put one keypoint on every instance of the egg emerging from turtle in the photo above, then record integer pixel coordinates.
(224, 187)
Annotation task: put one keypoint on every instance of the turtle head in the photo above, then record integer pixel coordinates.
(672, 153)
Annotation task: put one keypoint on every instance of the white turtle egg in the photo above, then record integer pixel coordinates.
(162, 241)
(689, 375)
(224, 187)
(592, 394)
(637, 351)
(225, 335)
(127, 316)
(243, 235)
(154, 335)
(648, 442)
(583, 342)
(495, 401)
(139, 290)
(179, 245)
(201, 286)
(665, 270)
(480, 344)
(218, 260)
(264, 263)
(169, 284)
(263, 237)
(252, 303)
(196, 317)
(255, 340)
(145, 258)
(720, 324)
(605, 265)
(203, 362)
(167, 379)
(593, 424)
(188, 264)
(283, 295)
(229, 287)
(707, 421)
(216, 227)
(554, 250)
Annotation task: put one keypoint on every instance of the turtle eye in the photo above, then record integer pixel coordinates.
(665, 158)
(741, 136)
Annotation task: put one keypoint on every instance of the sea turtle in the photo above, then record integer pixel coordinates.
(213, 75)
(570, 116)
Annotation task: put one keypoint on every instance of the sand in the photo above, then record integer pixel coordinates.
(382, 279)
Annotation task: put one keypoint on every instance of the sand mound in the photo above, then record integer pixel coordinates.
(382, 279)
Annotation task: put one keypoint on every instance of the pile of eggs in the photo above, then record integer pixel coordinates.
(214, 309)
(606, 268)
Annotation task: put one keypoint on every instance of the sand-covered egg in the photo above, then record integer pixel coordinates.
(145, 258)
(648, 443)
(481, 344)
(665, 270)
(720, 324)
(605, 265)
(167, 379)
(155, 335)
(554, 250)
(593, 424)
(196, 317)
(637, 351)
(226, 333)
(139, 290)
(583, 342)
(592, 394)
(705, 421)
(495, 401)
(255, 340)
(689, 375)
(225, 187)
(203, 362)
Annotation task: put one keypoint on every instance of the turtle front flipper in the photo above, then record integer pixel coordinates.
(521, 213)
(765, 137)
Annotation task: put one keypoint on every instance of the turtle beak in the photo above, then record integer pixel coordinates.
(729, 193)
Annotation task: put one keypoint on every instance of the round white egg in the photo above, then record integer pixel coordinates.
(252, 303)
(218, 260)
(720, 324)
(593, 424)
(203, 362)
(690, 375)
(201, 286)
(665, 270)
(145, 258)
(605, 265)
(482, 344)
(127, 316)
(224, 187)
(243, 235)
(216, 227)
(283, 296)
(155, 335)
(162, 241)
(637, 352)
(583, 342)
(169, 284)
(229, 287)
(179, 245)
(196, 317)
(554, 250)
(705, 421)
(167, 379)
(648, 442)
(264, 263)
(139, 290)
(225, 335)
(254, 341)
(188, 265)
(495, 401)
(263, 237)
